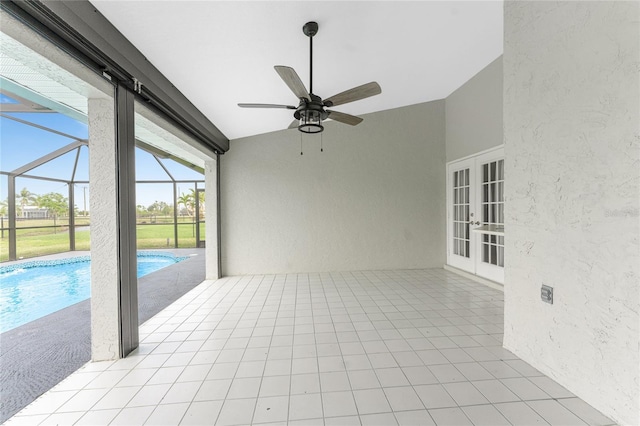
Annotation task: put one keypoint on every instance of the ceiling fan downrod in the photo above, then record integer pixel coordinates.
(310, 29)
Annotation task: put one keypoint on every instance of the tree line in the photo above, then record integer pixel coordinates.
(58, 205)
(187, 201)
(55, 203)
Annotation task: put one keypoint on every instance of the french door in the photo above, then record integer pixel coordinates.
(475, 214)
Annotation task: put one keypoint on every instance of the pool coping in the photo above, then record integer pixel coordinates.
(31, 263)
(56, 256)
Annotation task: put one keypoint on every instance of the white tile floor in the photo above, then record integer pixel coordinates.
(418, 347)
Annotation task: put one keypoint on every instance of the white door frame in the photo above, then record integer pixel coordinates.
(473, 263)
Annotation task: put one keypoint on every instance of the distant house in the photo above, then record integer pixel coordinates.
(33, 212)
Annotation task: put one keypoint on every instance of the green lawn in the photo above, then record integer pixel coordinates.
(63, 221)
(155, 236)
(38, 242)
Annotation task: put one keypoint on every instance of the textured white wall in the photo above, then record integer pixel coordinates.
(212, 269)
(373, 200)
(474, 114)
(105, 308)
(571, 114)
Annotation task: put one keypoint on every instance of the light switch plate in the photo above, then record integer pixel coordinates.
(546, 294)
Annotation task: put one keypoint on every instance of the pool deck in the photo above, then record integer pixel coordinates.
(36, 356)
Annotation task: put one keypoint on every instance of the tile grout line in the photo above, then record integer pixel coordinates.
(230, 334)
(270, 339)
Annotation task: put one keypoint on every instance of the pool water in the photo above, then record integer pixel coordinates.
(31, 290)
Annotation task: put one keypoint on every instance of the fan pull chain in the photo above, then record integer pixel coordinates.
(321, 146)
(301, 144)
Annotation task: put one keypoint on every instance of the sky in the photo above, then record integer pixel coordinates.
(21, 144)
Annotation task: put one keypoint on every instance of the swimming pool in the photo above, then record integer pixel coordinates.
(31, 290)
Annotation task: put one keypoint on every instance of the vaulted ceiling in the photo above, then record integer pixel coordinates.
(220, 53)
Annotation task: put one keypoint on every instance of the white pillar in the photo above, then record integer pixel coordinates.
(212, 249)
(105, 328)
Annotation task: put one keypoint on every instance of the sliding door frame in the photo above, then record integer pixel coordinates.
(77, 28)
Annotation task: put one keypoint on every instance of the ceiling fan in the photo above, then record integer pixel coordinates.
(311, 110)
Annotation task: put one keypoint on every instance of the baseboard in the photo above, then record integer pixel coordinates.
(488, 283)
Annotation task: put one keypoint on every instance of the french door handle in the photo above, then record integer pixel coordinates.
(471, 222)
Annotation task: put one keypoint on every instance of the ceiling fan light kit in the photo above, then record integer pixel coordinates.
(311, 110)
(311, 114)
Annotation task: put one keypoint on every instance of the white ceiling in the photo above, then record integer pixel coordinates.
(220, 53)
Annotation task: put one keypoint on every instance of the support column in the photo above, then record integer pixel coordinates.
(211, 214)
(175, 215)
(114, 305)
(11, 201)
(196, 203)
(72, 218)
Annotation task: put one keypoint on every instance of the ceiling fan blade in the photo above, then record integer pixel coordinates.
(294, 124)
(266, 106)
(355, 94)
(351, 120)
(291, 78)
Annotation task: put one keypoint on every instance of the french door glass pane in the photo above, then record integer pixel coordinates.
(461, 213)
(493, 211)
